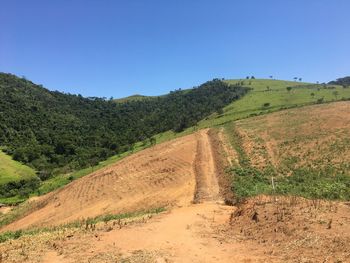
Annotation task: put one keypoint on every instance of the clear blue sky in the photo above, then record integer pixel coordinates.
(118, 48)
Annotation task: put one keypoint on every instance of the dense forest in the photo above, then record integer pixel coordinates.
(341, 81)
(50, 130)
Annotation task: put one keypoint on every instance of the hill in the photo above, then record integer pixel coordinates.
(58, 133)
(304, 150)
(345, 82)
(59, 150)
(16, 179)
(270, 162)
(269, 96)
(136, 97)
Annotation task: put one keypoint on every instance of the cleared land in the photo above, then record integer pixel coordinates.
(197, 227)
(170, 174)
(316, 137)
(156, 177)
(305, 151)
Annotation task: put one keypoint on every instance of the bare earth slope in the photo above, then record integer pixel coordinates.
(156, 177)
(190, 233)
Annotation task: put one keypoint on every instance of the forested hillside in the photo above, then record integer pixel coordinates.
(341, 81)
(48, 129)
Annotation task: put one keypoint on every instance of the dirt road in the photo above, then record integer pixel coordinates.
(190, 233)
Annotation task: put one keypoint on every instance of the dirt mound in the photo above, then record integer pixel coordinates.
(294, 229)
(168, 174)
(156, 177)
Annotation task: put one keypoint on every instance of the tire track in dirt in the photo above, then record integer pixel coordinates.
(207, 187)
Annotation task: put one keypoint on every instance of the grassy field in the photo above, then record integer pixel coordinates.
(273, 92)
(11, 170)
(303, 151)
(272, 95)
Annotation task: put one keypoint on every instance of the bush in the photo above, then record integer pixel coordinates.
(21, 187)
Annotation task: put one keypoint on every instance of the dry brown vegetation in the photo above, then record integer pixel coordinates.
(315, 136)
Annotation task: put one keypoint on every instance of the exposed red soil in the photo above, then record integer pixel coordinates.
(294, 229)
(187, 176)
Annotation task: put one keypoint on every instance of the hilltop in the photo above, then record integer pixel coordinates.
(268, 95)
(136, 97)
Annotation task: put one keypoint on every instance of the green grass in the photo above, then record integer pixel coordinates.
(277, 96)
(305, 182)
(11, 170)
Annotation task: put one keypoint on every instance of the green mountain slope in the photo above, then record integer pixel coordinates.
(17, 180)
(11, 170)
(59, 133)
(135, 97)
(272, 95)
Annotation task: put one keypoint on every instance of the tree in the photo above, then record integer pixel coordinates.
(220, 111)
(289, 88)
(152, 141)
(300, 79)
(336, 93)
(252, 77)
(341, 81)
(295, 78)
(271, 77)
(312, 94)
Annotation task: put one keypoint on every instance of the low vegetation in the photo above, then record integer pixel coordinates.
(301, 154)
(267, 95)
(86, 224)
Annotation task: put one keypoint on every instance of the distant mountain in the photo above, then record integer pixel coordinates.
(49, 130)
(135, 97)
(341, 81)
